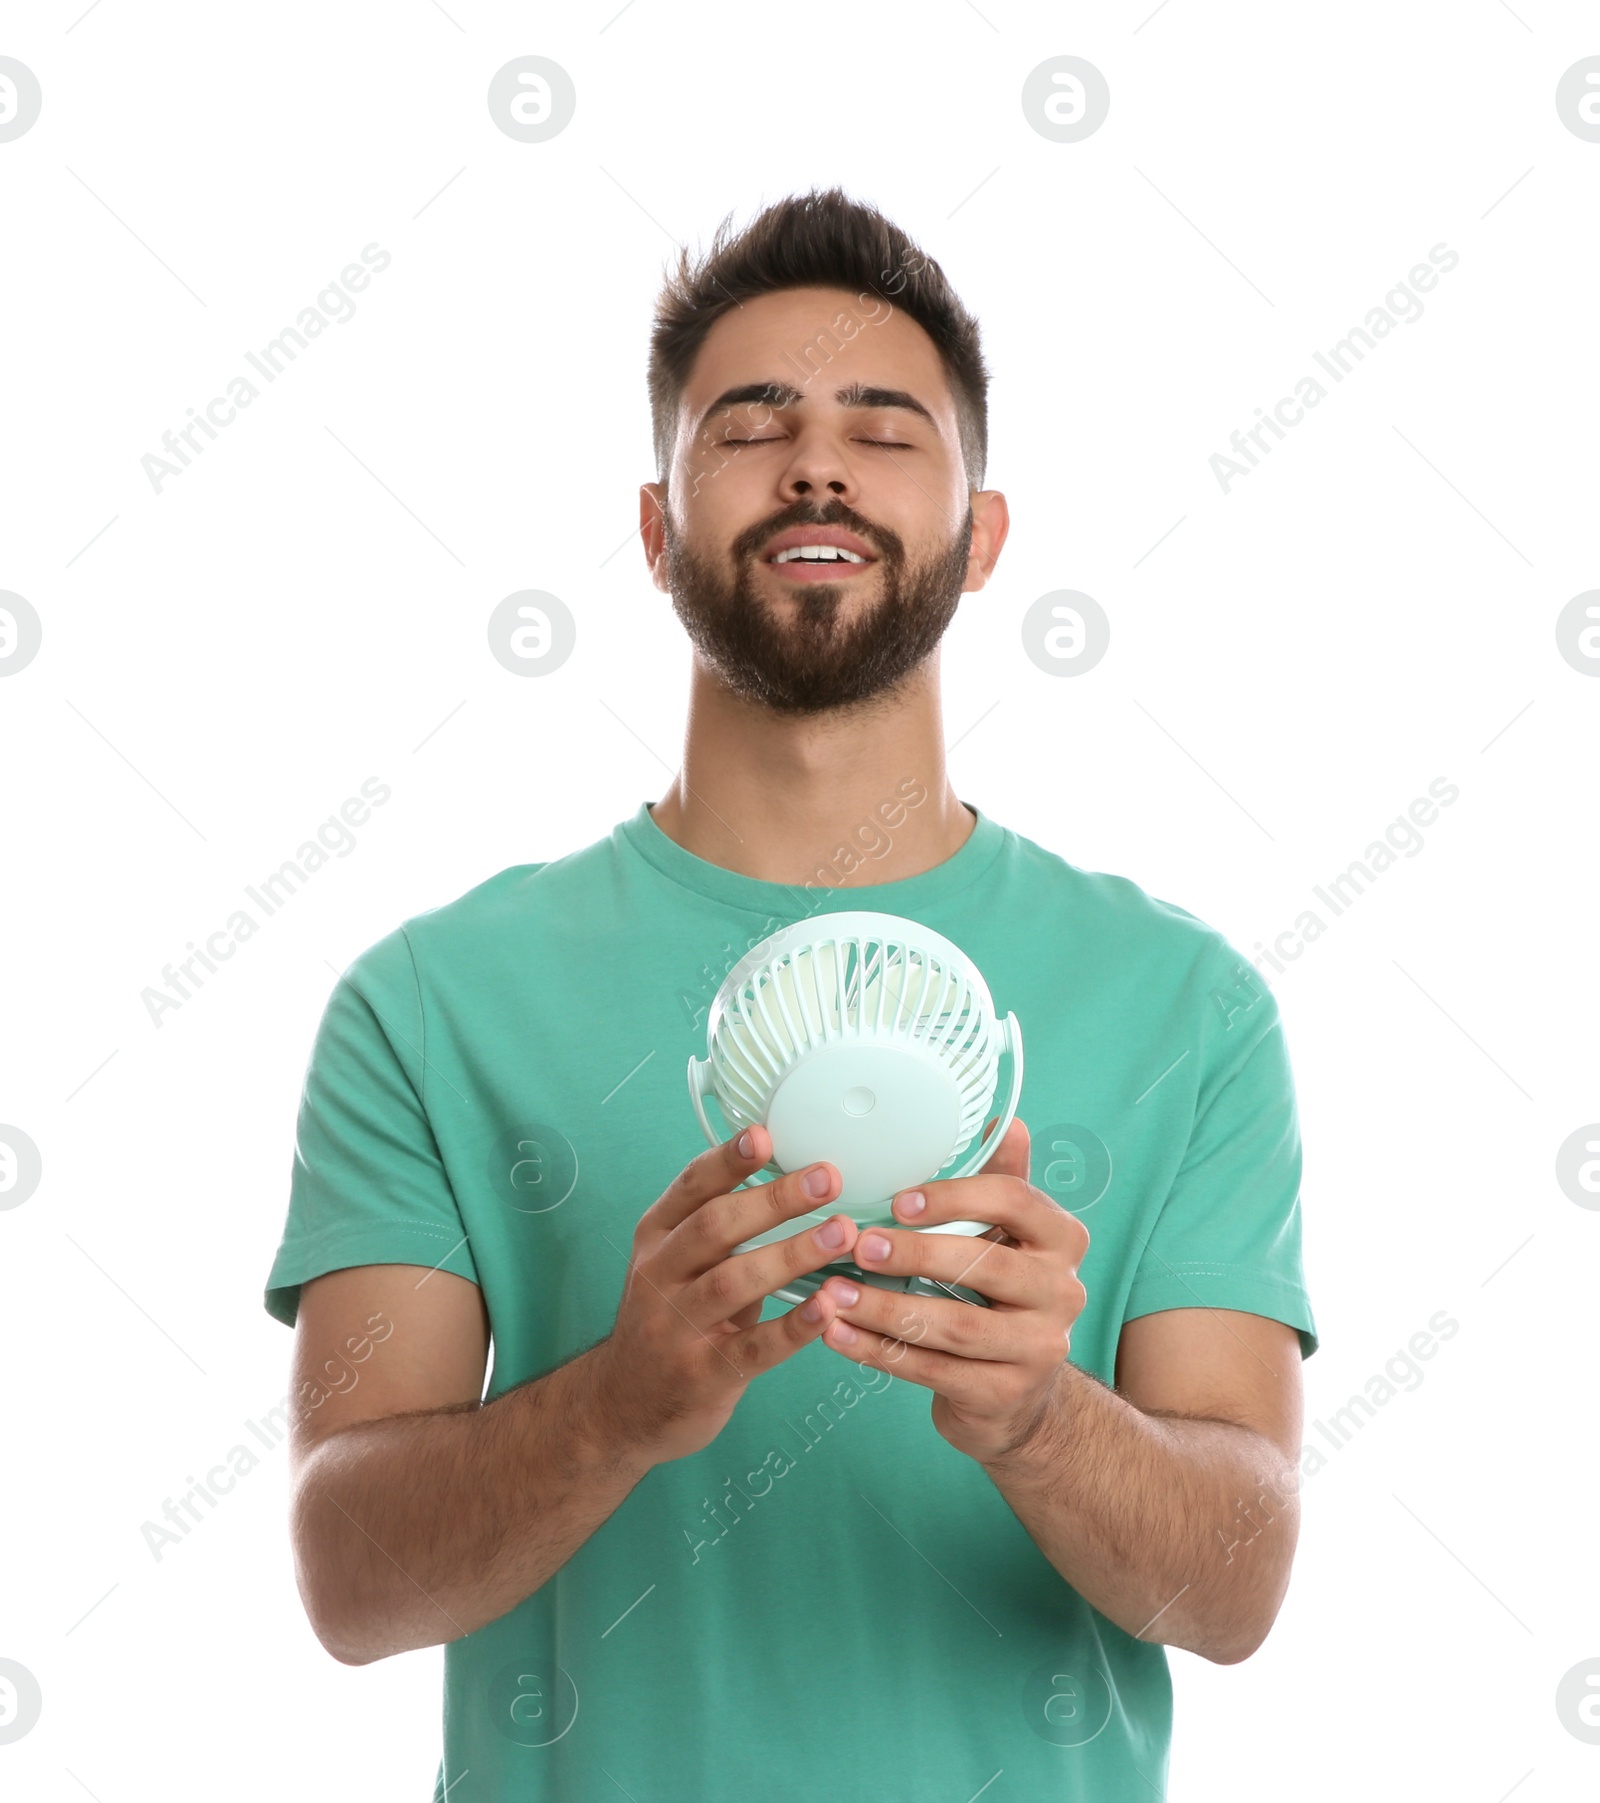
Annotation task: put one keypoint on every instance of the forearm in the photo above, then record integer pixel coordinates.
(1180, 1531)
(413, 1530)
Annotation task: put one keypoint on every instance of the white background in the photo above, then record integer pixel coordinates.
(224, 662)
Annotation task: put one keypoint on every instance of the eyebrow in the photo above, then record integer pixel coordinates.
(784, 394)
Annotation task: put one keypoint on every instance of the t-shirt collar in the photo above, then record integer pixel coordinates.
(829, 890)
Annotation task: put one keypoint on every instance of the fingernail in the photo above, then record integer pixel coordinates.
(812, 1310)
(832, 1235)
(847, 1294)
(844, 1333)
(912, 1203)
(874, 1246)
(746, 1144)
(815, 1183)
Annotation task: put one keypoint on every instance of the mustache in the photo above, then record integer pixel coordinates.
(885, 544)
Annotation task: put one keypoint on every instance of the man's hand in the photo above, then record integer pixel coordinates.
(993, 1370)
(687, 1339)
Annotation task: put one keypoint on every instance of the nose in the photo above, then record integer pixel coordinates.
(818, 468)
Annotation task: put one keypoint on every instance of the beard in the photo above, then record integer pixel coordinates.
(804, 656)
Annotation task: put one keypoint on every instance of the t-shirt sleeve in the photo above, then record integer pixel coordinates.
(367, 1185)
(1228, 1234)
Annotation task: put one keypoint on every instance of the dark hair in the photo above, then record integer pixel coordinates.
(816, 240)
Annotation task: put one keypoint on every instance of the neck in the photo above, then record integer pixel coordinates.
(862, 796)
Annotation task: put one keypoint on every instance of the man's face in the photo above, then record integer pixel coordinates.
(796, 636)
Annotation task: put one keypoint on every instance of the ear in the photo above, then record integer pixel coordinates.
(653, 538)
(991, 521)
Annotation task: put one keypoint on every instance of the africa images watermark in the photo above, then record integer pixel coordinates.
(807, 360)
(269, 895)
(239, 1461)
(815, 1422)
(874, 839)
(1401, 306)
(336, 1378)
(1339, 892)
(333, 306)
(1401, 1371)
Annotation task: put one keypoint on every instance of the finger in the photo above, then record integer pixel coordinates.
(969, 1383)
(744, 1278)
(770, 1343)
(716, 1171)
(746, 1317)
(707, 1236)
(1014, 1155)
(1004, 1198)
(1005, 1274)
(934, 1323)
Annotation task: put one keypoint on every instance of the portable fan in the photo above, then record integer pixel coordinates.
(870, 1041)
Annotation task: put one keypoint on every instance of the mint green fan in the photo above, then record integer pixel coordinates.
(872, 1042)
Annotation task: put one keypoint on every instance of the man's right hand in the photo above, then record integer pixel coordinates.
(688, 1335)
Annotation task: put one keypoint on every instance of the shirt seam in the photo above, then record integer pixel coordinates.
(1222, 1270)
(389, 1224)
(422, 1020)
(633, 835)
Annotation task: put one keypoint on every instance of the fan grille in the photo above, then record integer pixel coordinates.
(852, 986)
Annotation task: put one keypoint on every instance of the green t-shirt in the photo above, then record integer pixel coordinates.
(829, 1597)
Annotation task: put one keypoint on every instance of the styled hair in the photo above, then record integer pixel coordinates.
(816, 240)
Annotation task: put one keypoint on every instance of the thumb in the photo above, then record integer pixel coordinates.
(1013, 1157)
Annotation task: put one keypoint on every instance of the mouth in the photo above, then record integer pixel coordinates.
(800, 569)
(820, 555)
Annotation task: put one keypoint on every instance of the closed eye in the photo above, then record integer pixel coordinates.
(883, 444)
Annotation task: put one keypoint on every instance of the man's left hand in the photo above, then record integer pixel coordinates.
(993, 1371)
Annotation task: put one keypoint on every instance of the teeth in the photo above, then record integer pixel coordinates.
(818, 554)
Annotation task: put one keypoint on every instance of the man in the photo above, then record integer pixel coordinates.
(694, 1543)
